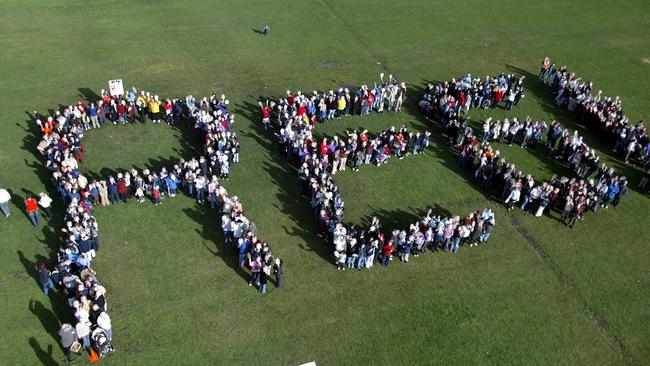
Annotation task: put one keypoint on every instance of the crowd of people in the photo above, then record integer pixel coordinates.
(456, 97)
(595, 186)
(387, 95)
(294, 118)
(63, 152)
(361, 249)
(601, 113)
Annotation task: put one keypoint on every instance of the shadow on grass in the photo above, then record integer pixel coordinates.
(49, 319)
(210, 222)
(285, 176)
(45, 357)
(401, 218)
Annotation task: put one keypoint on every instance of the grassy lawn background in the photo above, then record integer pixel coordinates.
(173, 294)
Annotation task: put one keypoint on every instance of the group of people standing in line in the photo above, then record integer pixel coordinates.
(294, 118)
(595, 186)
(387, 95)
(603, 114)
(63, 152)
(361, 249)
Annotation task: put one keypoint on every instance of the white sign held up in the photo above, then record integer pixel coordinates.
(116, 87)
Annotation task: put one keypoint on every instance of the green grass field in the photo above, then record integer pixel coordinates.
(581, 298)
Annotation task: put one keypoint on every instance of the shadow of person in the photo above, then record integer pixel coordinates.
(31, 267)
(48, 319)
(204, 217)
(88, 94)
(257, 31)
(229, 259)
(44, 356)
(17, 200)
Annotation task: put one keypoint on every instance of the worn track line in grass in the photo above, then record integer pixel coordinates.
(355, 34)
(601, 324)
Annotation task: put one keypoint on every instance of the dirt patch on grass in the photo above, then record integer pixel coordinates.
(646, 60)
(327, 64)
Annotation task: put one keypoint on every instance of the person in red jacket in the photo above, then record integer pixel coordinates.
(324, 148)
(31, 206)
(121, 112)
(388, 252)
(122, 190)
(266, 116)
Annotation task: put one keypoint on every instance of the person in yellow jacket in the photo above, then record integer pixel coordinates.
(340, 106)
(154, 108)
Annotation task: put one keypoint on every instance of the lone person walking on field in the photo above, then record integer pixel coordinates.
(265, 30)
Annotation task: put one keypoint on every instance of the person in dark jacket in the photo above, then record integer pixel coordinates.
(277, 270)
(44, 278)
(112, 190)
(263, 281)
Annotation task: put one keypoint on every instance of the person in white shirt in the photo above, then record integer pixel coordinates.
(5, 197)
(46, 202)
(104, 322)
(83, 332)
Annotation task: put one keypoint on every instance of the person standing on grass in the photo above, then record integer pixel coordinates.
(155, 195)
(112, 190)
(387, 251)
(31, 206)
(104, 322)
(154, 108)
(513, 197)
(266, 30)
(278, 268)
(83, 332)
(5, 197)
(68, 337)
(256, 267)
(44, 278)
(264, 278)
(243, 246)
(46, 202)
(92, 113)
(122, 189)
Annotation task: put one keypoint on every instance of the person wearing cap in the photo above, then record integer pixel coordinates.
(31, 206)
(44, 278)
(5, 197)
